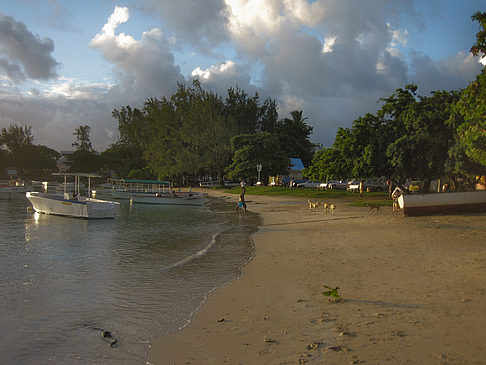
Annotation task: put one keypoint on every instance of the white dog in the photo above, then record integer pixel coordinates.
(313, 205)
(326, 207)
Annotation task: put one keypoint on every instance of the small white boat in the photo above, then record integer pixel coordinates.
(175, 198)
(73, 204)
(9, 189)
(126, 189)
(440, 203)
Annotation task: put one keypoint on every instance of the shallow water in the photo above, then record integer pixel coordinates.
(139, 276)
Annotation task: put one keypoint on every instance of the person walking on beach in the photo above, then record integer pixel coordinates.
(361, 189)
(241, 200)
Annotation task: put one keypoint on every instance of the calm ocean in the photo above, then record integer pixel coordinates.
(64, 280)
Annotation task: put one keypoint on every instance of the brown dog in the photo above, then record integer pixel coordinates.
(374, 206)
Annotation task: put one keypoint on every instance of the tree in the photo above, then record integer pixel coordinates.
(250, 150)
(422, 150)
(82, 142)
(243, 109)
(294, 137)
(3, 161)
(85, 161)
(470, 109)
(327, 164)
(30, 160)
(480, 45)
(122, 159)
(16, 136)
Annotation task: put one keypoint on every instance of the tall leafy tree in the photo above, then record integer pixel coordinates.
(422, 150)
(15, 137)
(250, 150)
(31, 161)
(82, 141)
(479, 47)
(471, 107)
(84, 159)
(327, 164)
(294, 137)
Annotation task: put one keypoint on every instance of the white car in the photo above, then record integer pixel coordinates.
(337, 184)
(309, 184)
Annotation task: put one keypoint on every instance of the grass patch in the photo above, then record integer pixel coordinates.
(380, 198)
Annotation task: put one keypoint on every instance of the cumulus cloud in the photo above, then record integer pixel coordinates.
(199, 23)
(451, 73)
(223, 76)
(25, 55)
(333, 59)
(145, 66)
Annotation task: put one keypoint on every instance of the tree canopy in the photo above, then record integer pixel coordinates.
(196, 133)
(18, 151)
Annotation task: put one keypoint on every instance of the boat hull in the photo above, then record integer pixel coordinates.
(442, 203)
(195, 200)
(57, 205)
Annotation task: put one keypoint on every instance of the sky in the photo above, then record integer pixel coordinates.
(69, 63)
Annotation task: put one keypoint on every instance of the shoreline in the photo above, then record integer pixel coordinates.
(413, 291)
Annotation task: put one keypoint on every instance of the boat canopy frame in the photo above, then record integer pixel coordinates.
(77, 176)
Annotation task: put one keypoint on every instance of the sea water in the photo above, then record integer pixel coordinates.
(76, 291)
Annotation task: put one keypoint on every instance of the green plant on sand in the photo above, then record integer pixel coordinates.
(332, 293)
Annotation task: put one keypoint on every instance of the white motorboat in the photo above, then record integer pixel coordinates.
(437, 203)
(128, 188)
(72, 204)
(174, 198)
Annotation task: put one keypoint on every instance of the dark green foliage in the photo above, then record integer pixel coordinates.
(190, 134)
(85, 161)
(82, 142)
(293, 135)
(480, 45)
(30, 161)
(249, 150)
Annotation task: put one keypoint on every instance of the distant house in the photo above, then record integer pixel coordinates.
(296, 167)
(295, 172)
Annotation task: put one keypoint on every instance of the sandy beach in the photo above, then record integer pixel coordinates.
(413, 289)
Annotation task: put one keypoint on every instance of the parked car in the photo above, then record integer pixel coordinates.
(353, 185)
(286, 182)
(368, 185)
(337, 184)
(375, 185)
(309, 184)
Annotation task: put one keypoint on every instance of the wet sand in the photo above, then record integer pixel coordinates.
(413, 289)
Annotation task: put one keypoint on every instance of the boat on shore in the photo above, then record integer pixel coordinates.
(73, 204)
(173, 198)
(442, 203)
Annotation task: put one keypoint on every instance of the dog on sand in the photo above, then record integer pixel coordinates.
(326, 207)
(332, 208)
(313, 205)
(372, 206)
